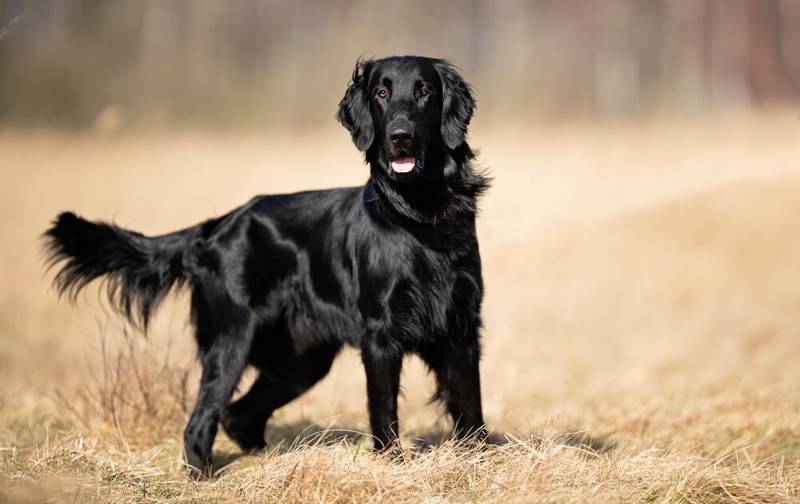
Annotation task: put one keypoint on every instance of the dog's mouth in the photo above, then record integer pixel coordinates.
(403, 164)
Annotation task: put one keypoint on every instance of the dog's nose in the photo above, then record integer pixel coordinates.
(401, 130)
(401, 135)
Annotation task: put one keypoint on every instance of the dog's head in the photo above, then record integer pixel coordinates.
(405, 112)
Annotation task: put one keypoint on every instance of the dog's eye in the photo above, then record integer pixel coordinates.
(382, 93)
(424, 91)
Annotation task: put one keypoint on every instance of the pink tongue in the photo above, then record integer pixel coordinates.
(403, 164)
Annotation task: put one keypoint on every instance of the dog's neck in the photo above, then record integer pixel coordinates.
(452, 194)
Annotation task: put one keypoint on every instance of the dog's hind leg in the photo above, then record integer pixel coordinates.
(245, 420)
(223, 353)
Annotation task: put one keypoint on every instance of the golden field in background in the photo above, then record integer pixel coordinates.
(642, 323)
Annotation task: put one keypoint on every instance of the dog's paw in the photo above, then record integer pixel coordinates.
(197, 468)
(248, 436)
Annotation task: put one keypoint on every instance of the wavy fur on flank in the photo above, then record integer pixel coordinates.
(283, 282)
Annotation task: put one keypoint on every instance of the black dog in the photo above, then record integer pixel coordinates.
(285, 281)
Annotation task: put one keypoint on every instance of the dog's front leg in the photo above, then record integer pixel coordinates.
(382, 365)
(459, 381)
(459, 384)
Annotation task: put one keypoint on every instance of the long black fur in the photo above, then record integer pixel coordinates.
(283, 282)
(138, 271)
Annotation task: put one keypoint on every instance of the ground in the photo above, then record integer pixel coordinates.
(642, 323)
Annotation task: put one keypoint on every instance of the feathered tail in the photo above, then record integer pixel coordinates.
(139, 270)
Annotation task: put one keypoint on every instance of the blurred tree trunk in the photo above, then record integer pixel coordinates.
(790, 42)
(725, 55)
(767, 76)
(204, 59)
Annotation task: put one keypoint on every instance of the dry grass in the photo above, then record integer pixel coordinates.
(642, 325)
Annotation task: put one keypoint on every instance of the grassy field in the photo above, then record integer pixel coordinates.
(641, 342)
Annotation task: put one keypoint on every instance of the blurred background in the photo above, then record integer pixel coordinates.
(639, 241)
(79, 63)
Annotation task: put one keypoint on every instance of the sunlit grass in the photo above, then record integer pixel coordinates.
(642, 325)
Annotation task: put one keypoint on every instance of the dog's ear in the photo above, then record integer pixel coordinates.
(354, 113)
(457, 105)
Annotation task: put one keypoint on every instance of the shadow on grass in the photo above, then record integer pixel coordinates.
(578, 439)
(289, 437)
(588, 442)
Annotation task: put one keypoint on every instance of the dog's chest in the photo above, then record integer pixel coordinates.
(420, 292)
